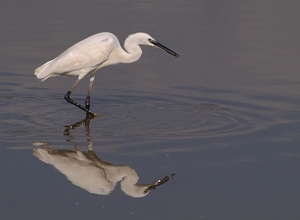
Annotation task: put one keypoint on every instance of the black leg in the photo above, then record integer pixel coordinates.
(68, 99)
(88, 102)
(87, 108)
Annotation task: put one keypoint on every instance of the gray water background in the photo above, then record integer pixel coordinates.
(224, 116)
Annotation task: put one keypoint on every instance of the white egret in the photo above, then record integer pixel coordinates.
(92, 54)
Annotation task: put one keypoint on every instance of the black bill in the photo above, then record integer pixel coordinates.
(159, 45)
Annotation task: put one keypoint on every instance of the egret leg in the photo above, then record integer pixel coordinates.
(88, 97)
(68, 99)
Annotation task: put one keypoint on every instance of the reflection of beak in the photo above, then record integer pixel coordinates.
(157, 183)
(159, 45)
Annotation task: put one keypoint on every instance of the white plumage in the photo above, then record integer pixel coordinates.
(92, 54)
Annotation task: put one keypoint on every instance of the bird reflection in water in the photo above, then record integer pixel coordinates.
(87, 171)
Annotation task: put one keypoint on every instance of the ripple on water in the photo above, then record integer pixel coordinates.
(171, 118)
(154, 116)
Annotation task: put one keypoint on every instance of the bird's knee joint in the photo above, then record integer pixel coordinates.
(67, 95)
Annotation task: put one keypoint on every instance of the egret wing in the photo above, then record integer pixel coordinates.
(80, 59)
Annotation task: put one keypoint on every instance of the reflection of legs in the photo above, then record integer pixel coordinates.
(71, 138)
(68, 99)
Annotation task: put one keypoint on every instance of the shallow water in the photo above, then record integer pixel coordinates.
(224, 117)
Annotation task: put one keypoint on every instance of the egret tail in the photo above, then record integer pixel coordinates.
(45, 71)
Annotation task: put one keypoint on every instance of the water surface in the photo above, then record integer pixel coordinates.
(224, 116)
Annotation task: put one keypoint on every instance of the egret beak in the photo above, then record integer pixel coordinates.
(159, 45)
(155, 184)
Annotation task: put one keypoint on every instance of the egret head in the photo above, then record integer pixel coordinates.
(146, 39)
(154, 43)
